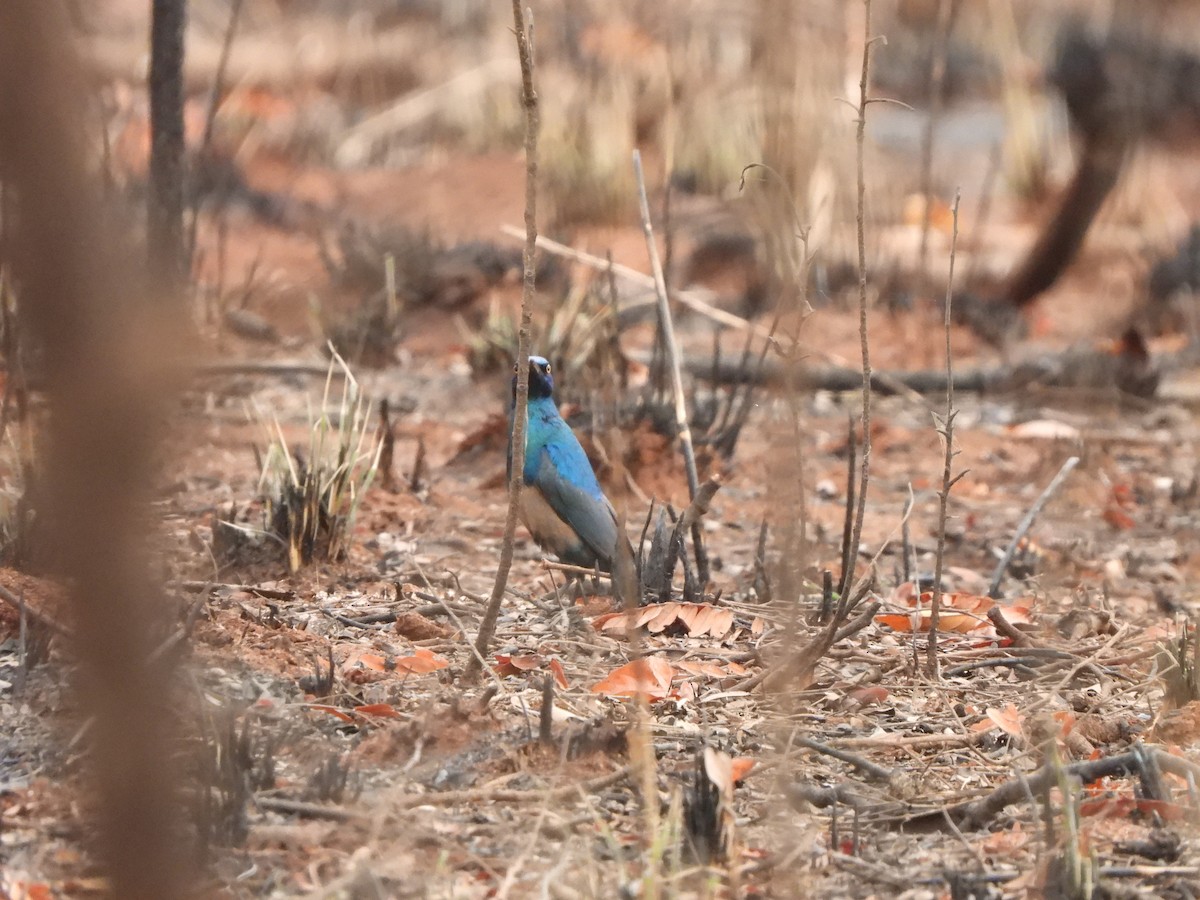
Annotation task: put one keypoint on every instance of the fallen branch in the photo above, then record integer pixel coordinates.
(308, 810)
(199, 587)
(1026, 663)
(871, 871)
(1006, 629)
(361, 143)
(487, 795)
(18, 603)
(913, 740)
(872, 770)
(976, 813)
(688, 298)
(1077, 369)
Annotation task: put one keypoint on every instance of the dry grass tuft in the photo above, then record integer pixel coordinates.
(312, 500)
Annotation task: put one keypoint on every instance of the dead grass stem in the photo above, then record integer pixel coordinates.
(312, 502)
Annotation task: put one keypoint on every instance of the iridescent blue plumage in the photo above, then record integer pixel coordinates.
(562, 505)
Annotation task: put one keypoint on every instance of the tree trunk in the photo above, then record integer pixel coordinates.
(164, 215)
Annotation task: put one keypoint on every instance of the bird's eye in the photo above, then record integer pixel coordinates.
(516, 368)
(547, 368)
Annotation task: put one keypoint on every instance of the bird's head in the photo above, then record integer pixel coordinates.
(541, 383)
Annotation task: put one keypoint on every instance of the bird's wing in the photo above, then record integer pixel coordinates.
(577, 498)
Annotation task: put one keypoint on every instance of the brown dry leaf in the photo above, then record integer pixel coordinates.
(381, 710)
(686, 691)
(961, 613)
(1125, 806)
(1118, 518)
(594, 605)
(1006, 842)
(332, 710)
(867, 696)
(710, 620)
(22, 890)
(1019, 611)
(560, 676)
(365, 668)
(1009, 720)
(699, 619)
(491, 434)
(44, 600)
(417, 627)
(516, 665)
(1122, 495)
(700, 667)
(650, 676)
(422, 662)
(528, 662)
(659, 617)
(740, 767)
(613, 622)
(941, 216)
(919, 620)
(1179, 726)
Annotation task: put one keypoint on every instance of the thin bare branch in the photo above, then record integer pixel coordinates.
(529, 99)
(948, 478)
(673, 354)
(863, 333)
(1027, 523)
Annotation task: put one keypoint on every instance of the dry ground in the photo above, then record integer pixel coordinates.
(403, 778)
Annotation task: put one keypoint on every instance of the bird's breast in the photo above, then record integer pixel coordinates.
(547, 528)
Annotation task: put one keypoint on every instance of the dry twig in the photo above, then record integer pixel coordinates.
(687, 298)
(1027, 523)
(976, 813)
(864, 342)
(210, 120)
(948, 479)
(487, 626)
(937, 78)
(491, 795)
(666, 323)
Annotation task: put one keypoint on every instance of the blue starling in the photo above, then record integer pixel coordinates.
(562, 504)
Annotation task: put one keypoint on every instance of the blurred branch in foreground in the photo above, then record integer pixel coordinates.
(104, 390)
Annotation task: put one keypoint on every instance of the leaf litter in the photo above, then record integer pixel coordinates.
(467, 755)
(841, 786)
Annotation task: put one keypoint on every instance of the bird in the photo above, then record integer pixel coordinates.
(562, 505)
